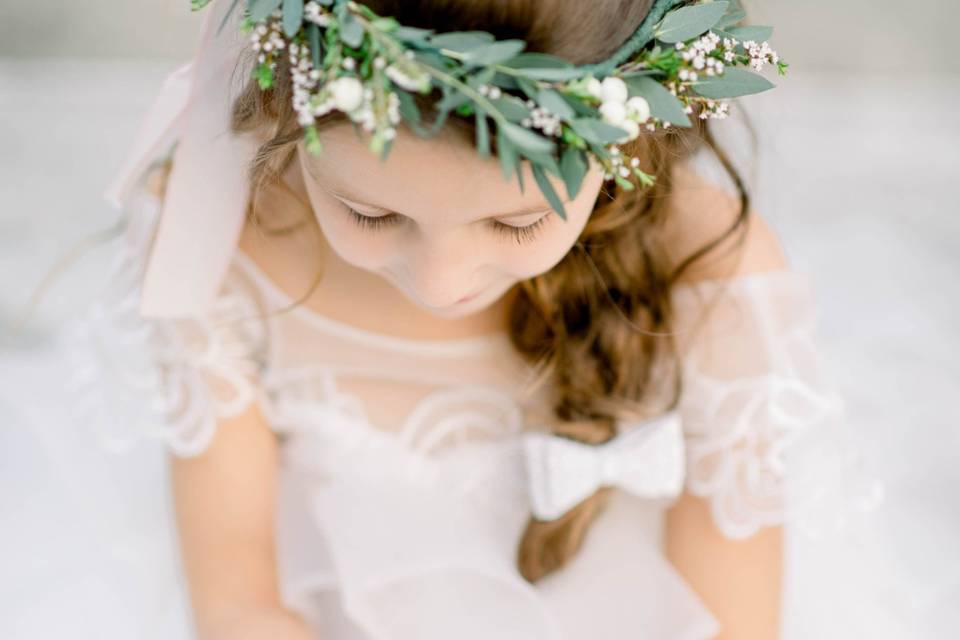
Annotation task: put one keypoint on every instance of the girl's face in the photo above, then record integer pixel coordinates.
(437, 220)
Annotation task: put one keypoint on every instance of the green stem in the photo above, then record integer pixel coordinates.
(464, 88)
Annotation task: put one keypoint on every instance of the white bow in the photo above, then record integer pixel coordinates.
(646, 458)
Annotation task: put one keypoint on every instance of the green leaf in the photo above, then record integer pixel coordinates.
(292, 17)
(387, 24)
(733, 83)
(529, 87)
(581, 108)
(484, 76)
(689, 22)
(316, 48)
(495, 52)
(511, 108)
(597, 131)
(507, 154)
(752, 32)
(543, 66)
(351, 31)
(553, 102)
(260, 9)
(312, 139)
(573, 167)
(408, 107)
(663, 104)
(483, 133)
(411, 34)
(461, 41)
(525, 139)
(734, 15)
(547, 188)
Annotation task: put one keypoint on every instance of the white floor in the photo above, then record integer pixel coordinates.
(858, 175)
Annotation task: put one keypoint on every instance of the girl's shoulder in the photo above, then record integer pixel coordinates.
(701, 212)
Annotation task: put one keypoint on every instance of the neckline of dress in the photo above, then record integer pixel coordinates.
(451, 347)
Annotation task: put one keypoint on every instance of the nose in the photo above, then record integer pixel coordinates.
(442, 272)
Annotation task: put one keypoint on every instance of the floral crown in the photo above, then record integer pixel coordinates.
(681, 60)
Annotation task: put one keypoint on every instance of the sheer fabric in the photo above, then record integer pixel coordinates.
(403, 492)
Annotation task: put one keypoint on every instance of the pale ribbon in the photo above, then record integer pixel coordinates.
(208, 187)
(645, 459)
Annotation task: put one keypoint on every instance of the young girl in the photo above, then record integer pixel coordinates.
(407, 399)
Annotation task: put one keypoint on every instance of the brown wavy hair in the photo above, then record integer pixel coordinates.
(598, 324)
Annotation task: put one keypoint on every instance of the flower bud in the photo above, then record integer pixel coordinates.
(613, 89)
(638, 108)
(613, 112)
(347, 93)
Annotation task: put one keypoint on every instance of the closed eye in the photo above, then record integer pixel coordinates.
(521, 235)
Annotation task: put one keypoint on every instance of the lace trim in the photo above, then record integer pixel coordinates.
(168, 378)
(774, 447)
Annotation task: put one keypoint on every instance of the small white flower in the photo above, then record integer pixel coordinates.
(594, 88)
(613, 112)
(379, 62)
(613, 89)
(632, 128)
(638, 108)
(349, 63)
(347, 93)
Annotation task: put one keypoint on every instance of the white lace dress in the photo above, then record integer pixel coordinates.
(403, 489)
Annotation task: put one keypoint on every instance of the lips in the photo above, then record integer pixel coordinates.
(468, 297)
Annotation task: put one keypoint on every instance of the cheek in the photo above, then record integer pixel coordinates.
(538, 257)
(352, 244)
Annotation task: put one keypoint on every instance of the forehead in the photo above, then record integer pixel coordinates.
(444, 174)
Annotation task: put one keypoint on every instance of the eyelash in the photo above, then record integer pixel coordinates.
(520, 235)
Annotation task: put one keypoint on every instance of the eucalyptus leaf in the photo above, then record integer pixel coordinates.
(411, 34)
(573, 167)
(316, 46)
(689, 22)
(504, 81)
(529, 87)
(260, 9)
(543, 66)
(663, 104)
(525, 139)
(547, 188)
(580, 108)
(734, 15)
(733, 83)
(511, 108)
(506, 153)
(597, 131)
(484, 76)
(494, 53)
(553, 102)
(752, 32)
(351, 31)
(461, 41)
(292, 17)
(408, 107)
(546, 161)
(483, 133)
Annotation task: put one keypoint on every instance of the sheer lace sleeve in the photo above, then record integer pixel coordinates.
(766, 435)
(172, 378)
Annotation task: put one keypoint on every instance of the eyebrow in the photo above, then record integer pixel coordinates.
(538, 208)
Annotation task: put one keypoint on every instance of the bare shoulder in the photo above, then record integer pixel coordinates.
(701, 213)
